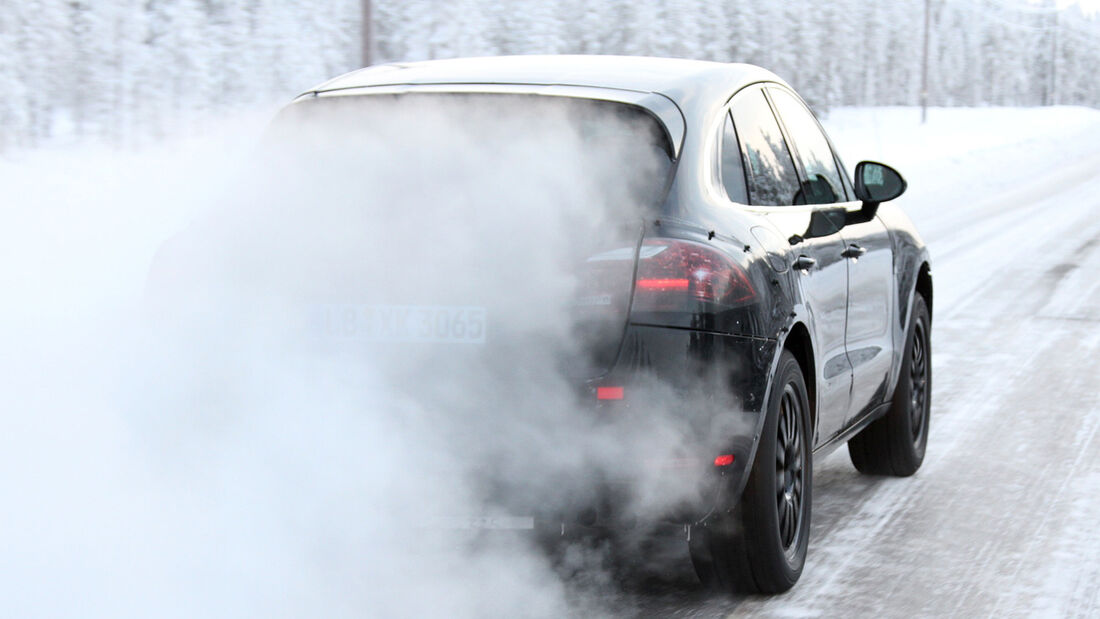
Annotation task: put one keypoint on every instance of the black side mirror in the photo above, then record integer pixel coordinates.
(877, 182)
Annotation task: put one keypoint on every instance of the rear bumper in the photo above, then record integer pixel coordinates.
(715, 385)
(704, 390)
(733, 369)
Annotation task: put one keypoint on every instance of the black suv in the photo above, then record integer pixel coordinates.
(755, 278)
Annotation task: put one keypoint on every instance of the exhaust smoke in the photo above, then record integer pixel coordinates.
(351, 344)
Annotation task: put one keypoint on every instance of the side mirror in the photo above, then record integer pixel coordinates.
(877, 182)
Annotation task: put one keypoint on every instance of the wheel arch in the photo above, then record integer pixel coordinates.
(800, 344)
(912, 285)
(924, 286)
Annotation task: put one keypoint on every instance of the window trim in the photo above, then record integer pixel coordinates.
(727, 117)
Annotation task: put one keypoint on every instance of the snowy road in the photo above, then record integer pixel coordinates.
(1002, 520)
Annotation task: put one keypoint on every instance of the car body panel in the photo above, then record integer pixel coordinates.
(823, 289)
(910, 257)
(869, 337)
(689, 83)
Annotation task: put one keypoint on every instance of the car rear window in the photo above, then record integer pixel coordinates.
(620, 143)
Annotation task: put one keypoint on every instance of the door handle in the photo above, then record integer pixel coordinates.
(804, 262)
(853, 251)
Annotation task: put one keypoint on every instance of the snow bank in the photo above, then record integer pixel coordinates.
(896, 133)
(967, 159)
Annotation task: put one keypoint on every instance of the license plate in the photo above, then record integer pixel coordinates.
(402, 323)
(483, 523)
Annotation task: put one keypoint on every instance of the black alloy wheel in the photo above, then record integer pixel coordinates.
(919, 371)
(759, 545)
(788, 468)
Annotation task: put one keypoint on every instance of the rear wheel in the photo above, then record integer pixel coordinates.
(760, 546)
(895, 444)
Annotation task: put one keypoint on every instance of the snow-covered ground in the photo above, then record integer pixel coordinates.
(1000, 521)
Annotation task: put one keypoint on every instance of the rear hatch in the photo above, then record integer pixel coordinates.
(446, 226)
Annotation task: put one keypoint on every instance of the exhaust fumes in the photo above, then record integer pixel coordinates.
(354, 377)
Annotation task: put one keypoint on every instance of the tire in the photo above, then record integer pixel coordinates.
(760, 545)
(895, 444)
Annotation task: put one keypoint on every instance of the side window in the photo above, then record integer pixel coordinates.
(823, 183)
(733, 175)
(770, 171)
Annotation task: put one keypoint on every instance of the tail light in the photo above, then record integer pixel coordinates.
(609, 393)
(673, 273)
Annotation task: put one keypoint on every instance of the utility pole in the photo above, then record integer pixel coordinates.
(367, 36)
(924, 63)
(1054, 60)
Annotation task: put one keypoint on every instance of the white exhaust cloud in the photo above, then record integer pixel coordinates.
(207, 444)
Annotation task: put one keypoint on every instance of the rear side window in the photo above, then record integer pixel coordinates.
(770, 172)
(733, 175)
(823, 184)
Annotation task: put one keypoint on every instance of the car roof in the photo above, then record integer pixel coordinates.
(676, 78)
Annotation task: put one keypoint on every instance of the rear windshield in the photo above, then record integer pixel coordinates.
(554, 141)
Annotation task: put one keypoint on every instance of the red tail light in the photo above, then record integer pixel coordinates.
(609, 393)
(664, 284)
(672, 272)
(725, 460)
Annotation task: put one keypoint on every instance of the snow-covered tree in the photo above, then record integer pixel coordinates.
(130, 67)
